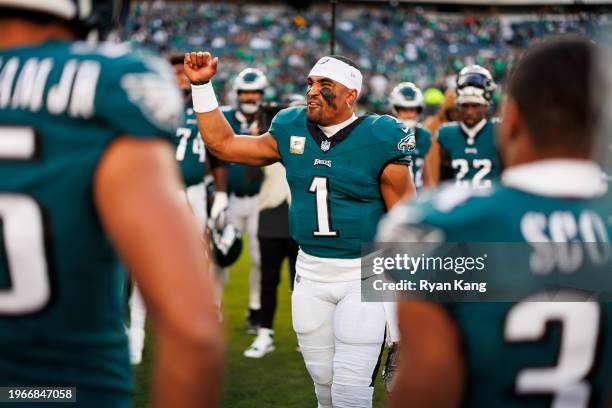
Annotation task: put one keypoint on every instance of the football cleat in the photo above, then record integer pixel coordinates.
(262, 345)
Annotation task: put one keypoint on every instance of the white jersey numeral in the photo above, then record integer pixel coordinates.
(463, 167)
(527, 321)
(419, 163)
(181, 148)
(22, 236)
(320, 186)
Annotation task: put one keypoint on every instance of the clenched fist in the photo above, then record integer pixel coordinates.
(200, 66)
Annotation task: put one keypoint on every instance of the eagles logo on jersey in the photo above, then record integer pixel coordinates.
(336, 204)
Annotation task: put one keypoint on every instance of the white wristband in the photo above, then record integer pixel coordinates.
(204, 99)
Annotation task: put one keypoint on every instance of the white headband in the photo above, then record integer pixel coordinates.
(338, 71)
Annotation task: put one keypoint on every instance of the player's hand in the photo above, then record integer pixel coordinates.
(200, 66)
(218, 211)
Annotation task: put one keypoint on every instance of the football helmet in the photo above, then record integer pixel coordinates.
(225, 244)
(475, 85)
(406, 95)
(98, 17)
(250, 79)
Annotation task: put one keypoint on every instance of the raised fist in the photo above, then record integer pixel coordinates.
(200, 66)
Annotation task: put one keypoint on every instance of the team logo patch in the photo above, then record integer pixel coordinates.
(407, 144)
(157, 98)
(325, 145)
(296, 144)
(318, 162)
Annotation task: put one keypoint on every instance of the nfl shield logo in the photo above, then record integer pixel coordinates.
(325, 145)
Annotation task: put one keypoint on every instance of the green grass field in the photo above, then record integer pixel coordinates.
(277, 380)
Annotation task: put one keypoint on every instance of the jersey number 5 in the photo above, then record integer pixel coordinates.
(567, 381)
(22, 235)
(320, 187)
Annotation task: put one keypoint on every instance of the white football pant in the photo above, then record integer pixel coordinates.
(244, 214)
(340, 337)
(393, 335)
(196, 196)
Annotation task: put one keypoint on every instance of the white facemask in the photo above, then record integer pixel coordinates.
(410, 123)
(249, 108)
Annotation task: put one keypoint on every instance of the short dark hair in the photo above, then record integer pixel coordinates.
(553, 86)
(176, 58)
(344, 59)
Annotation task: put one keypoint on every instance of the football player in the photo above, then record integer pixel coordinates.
(514, 354)
(194, 161)
(244, 181)
(86, 164)
(468, 152)
(191, 156)
(407, 104)
(344, 172)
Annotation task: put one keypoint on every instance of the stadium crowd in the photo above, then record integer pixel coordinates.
(390, 44)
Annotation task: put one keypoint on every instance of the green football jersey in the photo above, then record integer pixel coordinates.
(475, 161)
(190, 150)
(423, 144)
(525, 354)
(335, 182)
(242, 180)
(62, 303)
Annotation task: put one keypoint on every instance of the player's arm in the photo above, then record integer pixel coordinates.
(218, 168)
(431, 372)
(136, 191)
(432, 162)
(396, 183)
(217, 133)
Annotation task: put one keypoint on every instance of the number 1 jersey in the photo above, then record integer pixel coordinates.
(336, 202)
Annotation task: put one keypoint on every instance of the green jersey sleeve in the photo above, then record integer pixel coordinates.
(399, 140)
(284, 124)
(138, 96)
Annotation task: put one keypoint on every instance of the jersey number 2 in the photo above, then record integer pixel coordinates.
(567, 381)
(320, 187)
(22, 235)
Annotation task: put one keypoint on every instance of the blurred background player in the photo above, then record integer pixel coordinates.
(194, 161)
(468, 151)
(245, 181)
(550, 191)
(448, 112)
(96, 169)
(275, 242)
(344, 172)
(407, 104)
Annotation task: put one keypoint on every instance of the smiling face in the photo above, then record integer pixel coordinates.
(328, 102)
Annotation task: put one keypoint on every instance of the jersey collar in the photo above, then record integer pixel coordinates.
(472, 132)
(320, 137)
(569, 178)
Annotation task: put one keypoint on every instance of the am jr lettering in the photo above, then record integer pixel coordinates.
(73, 94)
